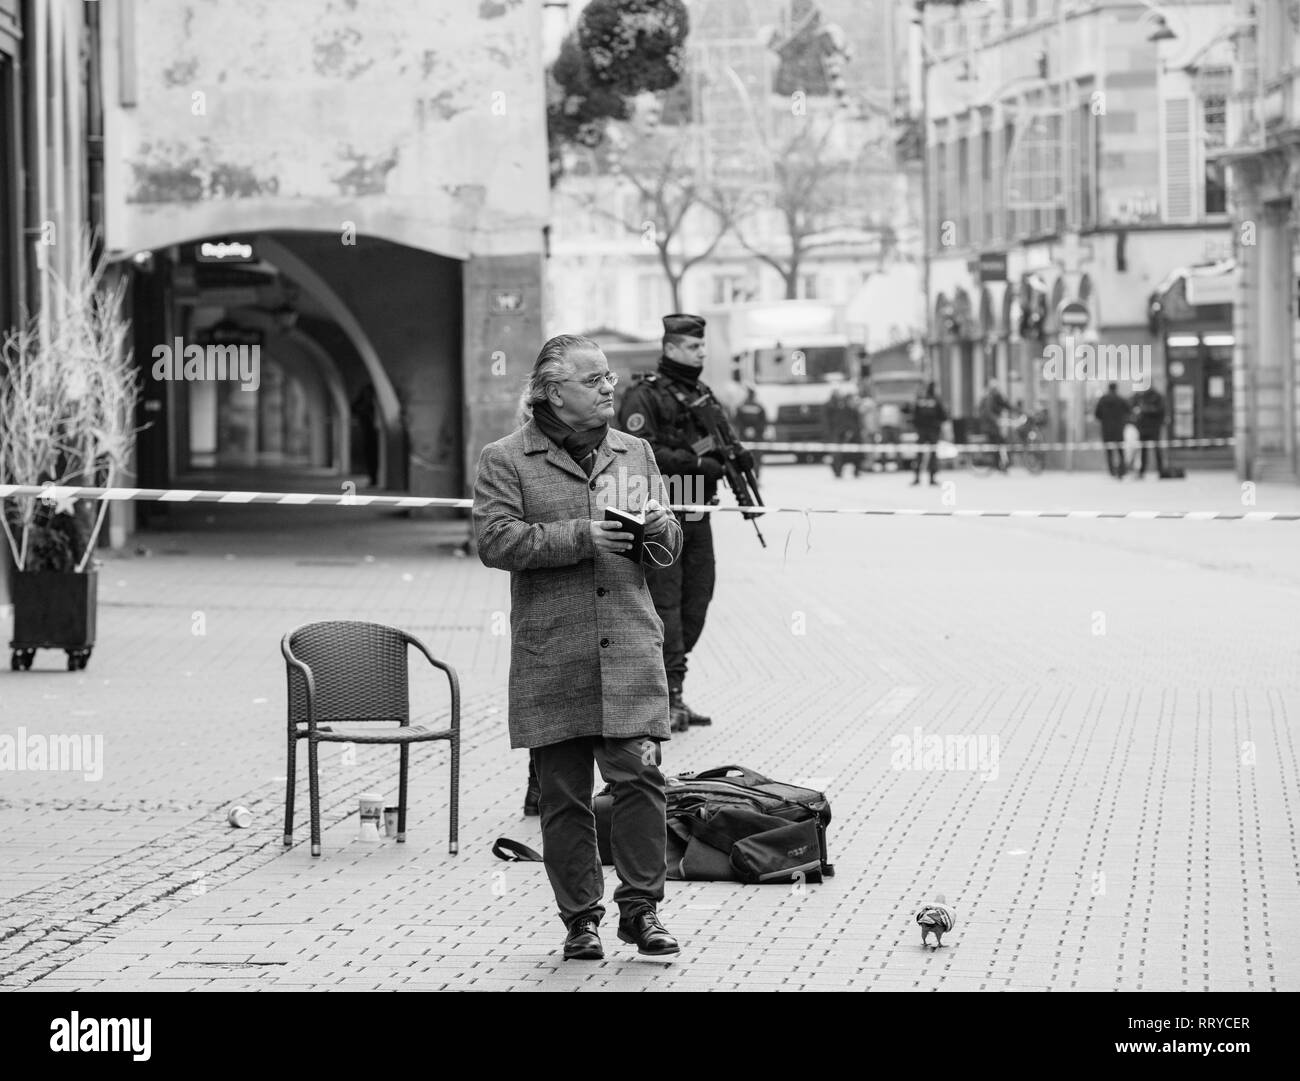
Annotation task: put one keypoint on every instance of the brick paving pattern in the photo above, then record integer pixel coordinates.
(1137, 830)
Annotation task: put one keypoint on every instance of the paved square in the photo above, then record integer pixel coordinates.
(1116, 807)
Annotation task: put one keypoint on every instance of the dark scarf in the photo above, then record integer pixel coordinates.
(682, 373)
(581, 445)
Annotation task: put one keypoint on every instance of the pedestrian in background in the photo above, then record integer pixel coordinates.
(1113, 413)
(928, 415)
(891, 431)
(587, 680)
(1149, 411)
(751, 424)
(365, 413)
(869, 426)
(845, 427)
(991, 409)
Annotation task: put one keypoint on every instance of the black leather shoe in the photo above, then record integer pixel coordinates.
(644, 929)
(582, 943)
(696, 718)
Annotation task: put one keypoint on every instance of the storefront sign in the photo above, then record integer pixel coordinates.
(993, 266)
(1132, 205)
(222, 252)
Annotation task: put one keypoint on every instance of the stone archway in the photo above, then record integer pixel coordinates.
(302, 350)
(386, 400)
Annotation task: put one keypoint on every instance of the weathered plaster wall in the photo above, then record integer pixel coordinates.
(420, 121)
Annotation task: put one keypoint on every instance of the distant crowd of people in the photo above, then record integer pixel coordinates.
(1131, 428)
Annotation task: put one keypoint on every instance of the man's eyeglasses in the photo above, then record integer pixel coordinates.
(594, 381)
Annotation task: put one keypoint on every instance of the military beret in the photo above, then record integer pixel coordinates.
(688, 326)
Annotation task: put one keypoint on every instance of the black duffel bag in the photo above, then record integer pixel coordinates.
(734, 824)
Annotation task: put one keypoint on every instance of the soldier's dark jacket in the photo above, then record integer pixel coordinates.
(650, 411)
(927, 416)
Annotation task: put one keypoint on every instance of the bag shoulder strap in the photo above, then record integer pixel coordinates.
(505, 849)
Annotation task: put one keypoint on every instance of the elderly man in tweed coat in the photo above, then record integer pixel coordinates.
(587, 676)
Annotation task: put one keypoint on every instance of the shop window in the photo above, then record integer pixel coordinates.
(963, 191)
(1008, 144)
(1085, 161)
(987, 198)
(1214, 138)
(940, 182)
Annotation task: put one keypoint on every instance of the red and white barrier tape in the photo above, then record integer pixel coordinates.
(65, 494)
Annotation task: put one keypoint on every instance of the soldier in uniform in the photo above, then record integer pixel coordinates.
(928, 415)
(658, 410)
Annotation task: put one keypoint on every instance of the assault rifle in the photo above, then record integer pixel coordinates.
(722, 438)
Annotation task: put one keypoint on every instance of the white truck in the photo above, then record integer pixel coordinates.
(794, 353)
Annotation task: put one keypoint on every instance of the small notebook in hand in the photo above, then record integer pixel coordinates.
(631, 523)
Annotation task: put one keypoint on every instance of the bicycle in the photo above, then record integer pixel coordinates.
(1022, 449)
(983, 462)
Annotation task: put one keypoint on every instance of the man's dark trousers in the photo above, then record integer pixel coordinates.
(1150, 435)
(637, 834)
(1115, 456)
(682, 593)
(928, 458)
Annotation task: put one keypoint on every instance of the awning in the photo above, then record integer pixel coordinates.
(1190, 287)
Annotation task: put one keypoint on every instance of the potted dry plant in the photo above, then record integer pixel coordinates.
(68, 395)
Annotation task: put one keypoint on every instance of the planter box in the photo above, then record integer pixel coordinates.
(54, 609)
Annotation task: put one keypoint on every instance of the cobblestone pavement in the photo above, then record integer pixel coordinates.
(1137, 830)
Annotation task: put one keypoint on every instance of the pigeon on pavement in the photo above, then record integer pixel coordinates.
(935, 917)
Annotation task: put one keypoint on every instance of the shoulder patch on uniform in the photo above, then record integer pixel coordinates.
(636, 422)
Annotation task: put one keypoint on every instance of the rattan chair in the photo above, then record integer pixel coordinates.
(350, 673)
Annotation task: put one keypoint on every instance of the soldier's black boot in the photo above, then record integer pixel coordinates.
(696, 718)
(679, 717)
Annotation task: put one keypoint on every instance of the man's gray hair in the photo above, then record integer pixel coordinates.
(551, 366)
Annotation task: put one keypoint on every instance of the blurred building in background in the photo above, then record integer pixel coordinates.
(772, 86)
(1072, 184)
(1262, 156)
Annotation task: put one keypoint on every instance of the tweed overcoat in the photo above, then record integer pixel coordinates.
(586, 645)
